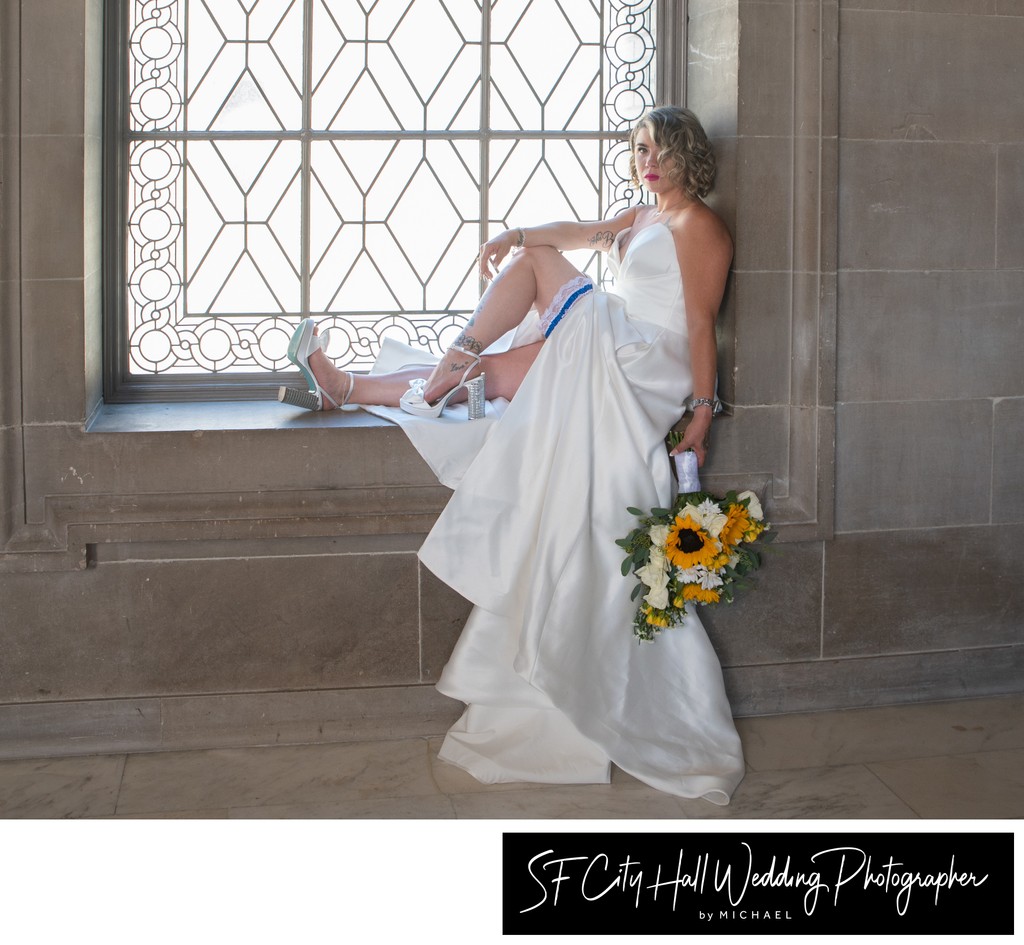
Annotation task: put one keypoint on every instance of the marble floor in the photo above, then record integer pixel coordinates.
(944, 760)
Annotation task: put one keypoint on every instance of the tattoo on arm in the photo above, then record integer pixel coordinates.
(605, 236)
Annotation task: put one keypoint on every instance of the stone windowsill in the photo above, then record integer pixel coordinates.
(238, 415)
(221, 415)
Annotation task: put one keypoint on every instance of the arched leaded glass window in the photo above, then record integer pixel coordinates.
(272, 159)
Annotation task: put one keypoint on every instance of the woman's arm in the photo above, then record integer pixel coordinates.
(704, 249)
(596, 235)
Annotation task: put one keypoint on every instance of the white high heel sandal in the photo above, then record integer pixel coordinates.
(304, 342)
(412, 401)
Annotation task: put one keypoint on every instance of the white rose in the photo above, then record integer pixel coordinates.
(715, 523)
(753, 506)
(658, 597)
(655, 573)
(659, 536)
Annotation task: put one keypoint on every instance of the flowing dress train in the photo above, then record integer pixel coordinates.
(556, 686)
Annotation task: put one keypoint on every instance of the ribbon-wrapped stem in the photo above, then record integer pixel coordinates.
(686, 471)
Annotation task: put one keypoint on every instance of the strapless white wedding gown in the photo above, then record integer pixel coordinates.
(556, 685)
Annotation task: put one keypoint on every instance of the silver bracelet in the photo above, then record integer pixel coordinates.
(522, 238)
(704, 402)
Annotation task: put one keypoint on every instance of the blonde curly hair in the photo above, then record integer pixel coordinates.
(681, 138)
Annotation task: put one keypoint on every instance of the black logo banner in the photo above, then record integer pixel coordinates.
(758, 883)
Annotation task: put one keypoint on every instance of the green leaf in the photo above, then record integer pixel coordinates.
(627, 566)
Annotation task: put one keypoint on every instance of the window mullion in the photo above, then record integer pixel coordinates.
(670, 41)
(306, 174)
(485, 125)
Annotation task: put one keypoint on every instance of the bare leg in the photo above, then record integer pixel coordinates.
(531, 278)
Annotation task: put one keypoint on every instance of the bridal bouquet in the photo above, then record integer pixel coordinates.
(692, 553)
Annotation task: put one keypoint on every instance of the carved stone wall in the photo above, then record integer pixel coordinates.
(175, 575)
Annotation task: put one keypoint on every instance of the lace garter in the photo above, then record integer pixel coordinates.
(563, 301)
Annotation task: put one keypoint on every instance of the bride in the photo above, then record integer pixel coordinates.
(585, 384)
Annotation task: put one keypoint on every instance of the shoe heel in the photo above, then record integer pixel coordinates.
(299, 398)
(477, 400)
(302, 343)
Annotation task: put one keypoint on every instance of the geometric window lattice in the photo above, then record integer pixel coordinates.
(345, 159)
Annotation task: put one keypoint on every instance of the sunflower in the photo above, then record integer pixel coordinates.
(700, 595)
(737, 524)
(688, 544)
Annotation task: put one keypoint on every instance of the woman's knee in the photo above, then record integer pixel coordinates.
(548, 262)
(537, 259)
(539, 254)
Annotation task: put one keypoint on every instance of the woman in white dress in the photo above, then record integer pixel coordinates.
(587, 383)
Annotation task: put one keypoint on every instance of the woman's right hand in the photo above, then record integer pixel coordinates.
(494, 251)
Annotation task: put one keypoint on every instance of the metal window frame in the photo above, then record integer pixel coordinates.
(119, 385)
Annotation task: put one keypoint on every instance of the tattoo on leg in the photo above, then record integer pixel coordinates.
(469, 343)
(605, 236)
(457, 367)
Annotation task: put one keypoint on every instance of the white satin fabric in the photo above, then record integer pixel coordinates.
(556, 685)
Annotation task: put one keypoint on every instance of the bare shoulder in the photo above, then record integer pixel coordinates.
(700, 229)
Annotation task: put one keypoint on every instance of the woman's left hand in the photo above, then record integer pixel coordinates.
(696, 437)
